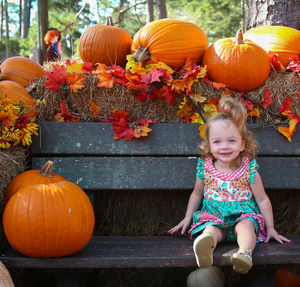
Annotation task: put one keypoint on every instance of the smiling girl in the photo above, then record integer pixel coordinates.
(235, 205)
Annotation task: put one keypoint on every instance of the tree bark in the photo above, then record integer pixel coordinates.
(273, 12)
(161, 9)
(25, 18)
(2, 19)
(43, 26)
(7, 30)
(150, 15)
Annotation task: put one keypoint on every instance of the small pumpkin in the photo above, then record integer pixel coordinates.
(171, 41)
(240, 64)
(49, 220)
(21, 70)
(287, 278)
(30, 177)
(281, 40)
(17, 93)
(105, 44)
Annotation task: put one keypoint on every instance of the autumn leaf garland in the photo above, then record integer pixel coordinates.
(160, 81)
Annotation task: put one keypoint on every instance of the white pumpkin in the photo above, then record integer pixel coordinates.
(206, 277)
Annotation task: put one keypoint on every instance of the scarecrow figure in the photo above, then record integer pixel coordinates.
(52, 40)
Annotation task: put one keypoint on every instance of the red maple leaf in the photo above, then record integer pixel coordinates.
(65, 113)
(87, 67)
(119, 74)
(56, 78)
(156, 75)
(275, 61)
(267, 99)
(169, 95)
(286, 105)
(122, 130)
(294, 66)
(248, 104)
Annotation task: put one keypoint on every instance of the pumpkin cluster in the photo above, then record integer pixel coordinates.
(241, 63)
(46, 215)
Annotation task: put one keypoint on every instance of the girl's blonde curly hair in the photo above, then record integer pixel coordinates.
(231, 108)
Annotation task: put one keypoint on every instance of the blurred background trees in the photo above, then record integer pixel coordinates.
(23, 23)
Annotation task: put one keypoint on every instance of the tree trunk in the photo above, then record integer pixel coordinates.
(161, 9)
(43, 26)
(7, 30)
(2, 19)
(25, 18)
(150, 15)
(273, 12)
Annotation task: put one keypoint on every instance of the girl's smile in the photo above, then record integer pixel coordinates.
(225, 143)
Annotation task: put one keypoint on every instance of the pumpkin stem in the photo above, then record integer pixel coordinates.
(142, 54)
(109, 21)
(47, 169)
(239, 37)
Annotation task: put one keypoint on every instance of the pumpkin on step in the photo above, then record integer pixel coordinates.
(240, 64)
(170, 41)
(287, 278)
(21, 70)
(105, 44)
(49, 220)
(30, 177)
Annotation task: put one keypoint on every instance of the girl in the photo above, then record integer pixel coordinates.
(235, 205)
(52, 40)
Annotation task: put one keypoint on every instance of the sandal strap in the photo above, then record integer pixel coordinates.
(246, 253)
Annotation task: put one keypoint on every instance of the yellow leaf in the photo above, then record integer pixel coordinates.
(141, 131)
(254, 113)
(202, 73)
(292, 125)
(74, 67)
(131, 64)
(202, 131)
(197, 97)
(162, 65)
(210, 110)
(197, 119)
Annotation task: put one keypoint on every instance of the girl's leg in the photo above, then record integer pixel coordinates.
(205, 244)
(246, 238)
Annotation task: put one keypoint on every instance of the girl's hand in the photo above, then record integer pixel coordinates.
(182, 225)
(272, 233)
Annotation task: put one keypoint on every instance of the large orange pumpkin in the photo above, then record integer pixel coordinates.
(240, 64)
(105, 44)
(30, 177)
(17, 93)
(170, 41)
(281, 40)
(287, 278)
(49, 220)
(21, 70)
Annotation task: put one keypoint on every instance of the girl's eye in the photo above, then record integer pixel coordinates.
(216, 142)
(232, 141)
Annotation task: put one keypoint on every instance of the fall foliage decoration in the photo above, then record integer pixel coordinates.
(281, 40)
(16, 125)
(18, 94)
(240, 64)
(105, 44)
(49, 220)
(170, 41)
(30, 177)
(21, 70)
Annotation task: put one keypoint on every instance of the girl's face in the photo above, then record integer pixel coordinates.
(225, 141)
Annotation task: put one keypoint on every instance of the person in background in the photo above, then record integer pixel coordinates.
(52, 40)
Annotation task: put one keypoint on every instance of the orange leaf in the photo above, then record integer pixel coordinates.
(94, 108)
(142, 131)
(58, 117)
(100, 68)
(254, 113)
(219, 86)
(75, 81)
(285, 131)
(178, 85)
(202, 131)
(106, 80)
(139, 69)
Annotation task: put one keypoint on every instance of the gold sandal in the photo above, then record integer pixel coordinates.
(242, 261)
(204, 246)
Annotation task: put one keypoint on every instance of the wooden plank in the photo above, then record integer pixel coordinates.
(158, 173)
(152, 252)
(95, 138)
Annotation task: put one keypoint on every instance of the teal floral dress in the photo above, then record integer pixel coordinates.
(227, 199)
